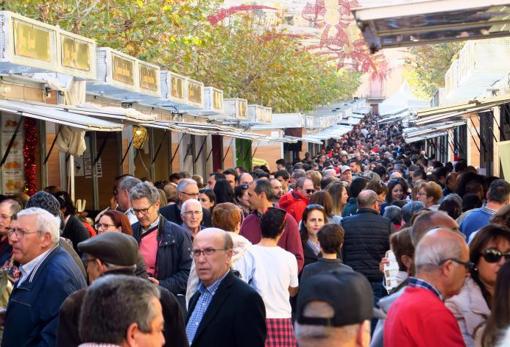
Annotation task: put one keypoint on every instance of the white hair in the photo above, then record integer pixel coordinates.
(189, 202)
(45, 222)
(428, 255)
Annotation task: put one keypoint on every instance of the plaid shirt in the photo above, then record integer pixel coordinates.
(206, 296)
(419, 283)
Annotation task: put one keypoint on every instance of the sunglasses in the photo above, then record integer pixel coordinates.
(314, 207)
(310, 191)
(492, 255)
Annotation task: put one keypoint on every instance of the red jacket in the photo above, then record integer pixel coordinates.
(294, 203)
(290, 240)
(418, 318)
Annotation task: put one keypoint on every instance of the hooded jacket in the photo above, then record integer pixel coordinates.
(294, 203)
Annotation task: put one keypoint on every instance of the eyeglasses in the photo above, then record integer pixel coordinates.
(190, 194)
(244, 186)
(192, 213)
(103, 225)
(310, 191)
(492, 255)
(141, 210)
(195, 253)
(467, 264)
(19, 232)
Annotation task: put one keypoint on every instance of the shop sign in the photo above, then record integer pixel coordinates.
(236, 108)
(149, 78)
(260, 114)
(26, 45)
(123, 70)
(77, 55)
(31, 41)
(12, 176)
(195, 92)
(213, 99)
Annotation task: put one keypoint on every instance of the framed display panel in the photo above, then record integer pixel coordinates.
(195, 94)
(173, 87)
(149, 79)
(117, 74)
(260, 114)
(77, 55)
(26, 45)
(213, 100)
(236, 108)
(12, 175)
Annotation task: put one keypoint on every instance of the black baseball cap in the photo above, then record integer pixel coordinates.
(347, 292)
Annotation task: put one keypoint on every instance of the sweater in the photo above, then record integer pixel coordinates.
(419, 318)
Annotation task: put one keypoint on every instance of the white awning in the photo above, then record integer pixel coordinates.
(124, 114)
(424, 137)
(433, 128)
(58, 115)
(308, 139)
(333, 132)
(455, 112)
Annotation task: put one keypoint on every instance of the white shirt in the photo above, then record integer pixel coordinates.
(131, 216)
(274, 271)
(30, 268)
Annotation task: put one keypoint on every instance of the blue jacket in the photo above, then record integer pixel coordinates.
(33, 309)
(173, 260)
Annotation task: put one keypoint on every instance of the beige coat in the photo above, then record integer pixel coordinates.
(470, 310)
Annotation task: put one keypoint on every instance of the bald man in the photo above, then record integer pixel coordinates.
(222, 298)
(432, 220)
(419, 316)
(367, 238)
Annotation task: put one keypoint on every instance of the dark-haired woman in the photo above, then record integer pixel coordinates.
(499, 320)
(489, 250)
(242, 199)
(314, 217)
(397, 190)
(207, 198)
(223, 191)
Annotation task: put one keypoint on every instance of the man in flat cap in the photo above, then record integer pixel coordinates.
(115, 253)
(334, 309)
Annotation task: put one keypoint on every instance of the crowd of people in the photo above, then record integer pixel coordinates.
(369, 243)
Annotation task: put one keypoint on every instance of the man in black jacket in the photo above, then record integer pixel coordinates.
(114, 253)
(165, 246)
(186, 189)
(367, 238)
(224, 311)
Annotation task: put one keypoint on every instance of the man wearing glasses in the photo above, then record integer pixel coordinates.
(48, 276)
(8, 208)
(164, 246)
(224, 311)
(186, 189)
(419, 316)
